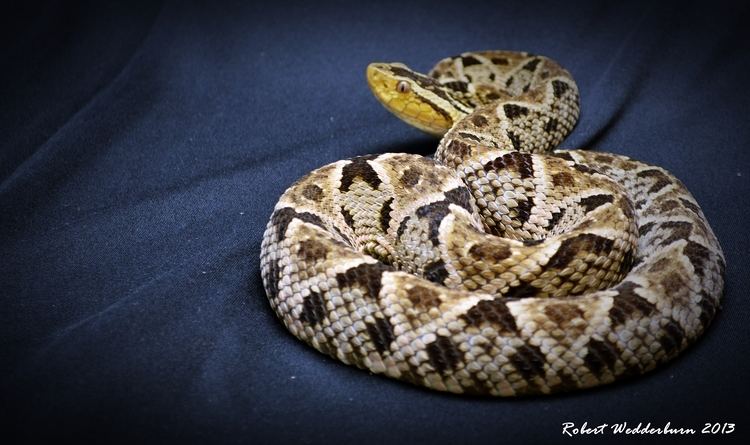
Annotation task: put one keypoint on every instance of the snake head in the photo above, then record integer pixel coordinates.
(418, 100)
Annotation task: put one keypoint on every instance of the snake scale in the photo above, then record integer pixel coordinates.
(501, 266)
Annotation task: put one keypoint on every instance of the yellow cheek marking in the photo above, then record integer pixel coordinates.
(419, 114)
(418, 111)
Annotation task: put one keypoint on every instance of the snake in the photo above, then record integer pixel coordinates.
(502, 265)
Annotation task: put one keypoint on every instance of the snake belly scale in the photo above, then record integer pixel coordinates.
(501, 266)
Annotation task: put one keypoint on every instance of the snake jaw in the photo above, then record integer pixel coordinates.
(414, 106)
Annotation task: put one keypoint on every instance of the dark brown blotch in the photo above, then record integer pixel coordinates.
(460, 196)
(434, 213)
(494, 312)
(457, 85)
(628, 261)
(271, 279)
(381, 334)
(680, 230)
(661, 178)
(672, 337)
(672, 283)
(443, 354)
(559, 88)
(556, 217)
(515, 140)
(385, 215)
(692, 206)
(514, 161)
(469, 136)
(359, 168)
(668, 205)
(562, 313)
(422, 297)
(584, 169)
(601, 354)
(348, 218)
(563, 155)
(341, 239)
(459, 149)
(627, 304)
(311, 250)
(490, 253)
(312, 192)
(645, 228)
(532, 242)
(567, 383)
(479, 120)
(660, 265)
(626, 207)
(470, 61)
(411, 176)
(366, 276)
(531, 65)
(435, 272)
(513, 111)
(569, 247)
(523, 290)
(708, 307)
(698, 255)
(529, 361)
(551, 125)
(282, 217)
(563, 179)
(590, 203)
(402, 227)
(658, 185)
(313, 309)
(523, 211)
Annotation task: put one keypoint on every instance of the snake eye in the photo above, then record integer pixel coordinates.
(403, 87)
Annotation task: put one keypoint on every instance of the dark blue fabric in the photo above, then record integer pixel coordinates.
(143, 149)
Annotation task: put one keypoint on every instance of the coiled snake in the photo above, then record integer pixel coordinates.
(500, 267)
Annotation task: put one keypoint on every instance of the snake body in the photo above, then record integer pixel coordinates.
(501, 267)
